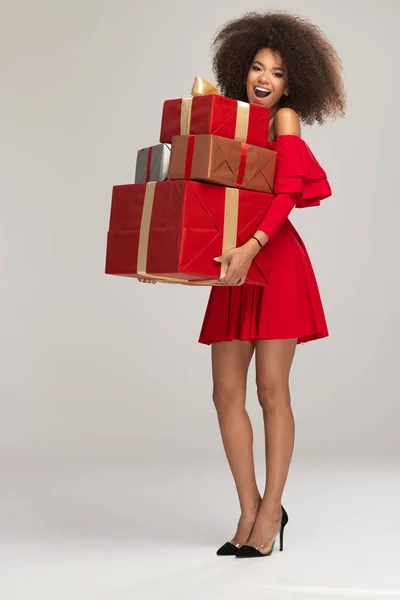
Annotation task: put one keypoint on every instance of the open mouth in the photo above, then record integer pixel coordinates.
(261, 92)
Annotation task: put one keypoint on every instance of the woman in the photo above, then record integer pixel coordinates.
(285, 63)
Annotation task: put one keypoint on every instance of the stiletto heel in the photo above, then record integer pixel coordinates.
(285, 520)
(247, 551)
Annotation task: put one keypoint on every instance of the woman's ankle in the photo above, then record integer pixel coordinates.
(251, 508)
(271, 508)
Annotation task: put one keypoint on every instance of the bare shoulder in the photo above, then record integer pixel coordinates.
(287, 122)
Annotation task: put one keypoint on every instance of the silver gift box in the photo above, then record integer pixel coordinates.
(159, 163)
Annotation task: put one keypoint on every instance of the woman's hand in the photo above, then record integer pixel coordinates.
(240, 260)
(146, 280)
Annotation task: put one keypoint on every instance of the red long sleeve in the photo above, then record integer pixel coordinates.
(299, 181)
(277, 213)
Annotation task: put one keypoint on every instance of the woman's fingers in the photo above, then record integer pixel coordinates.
(233, 279)
(230, 277)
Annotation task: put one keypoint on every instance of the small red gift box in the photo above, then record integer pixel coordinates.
(173, 230)
(215, 114)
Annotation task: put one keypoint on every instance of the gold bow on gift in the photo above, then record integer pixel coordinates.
(201, 87)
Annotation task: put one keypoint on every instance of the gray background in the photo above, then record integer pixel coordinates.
(97, 369)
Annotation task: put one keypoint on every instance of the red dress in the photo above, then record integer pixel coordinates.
(290, 305)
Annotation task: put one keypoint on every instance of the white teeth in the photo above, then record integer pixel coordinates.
(262, 89)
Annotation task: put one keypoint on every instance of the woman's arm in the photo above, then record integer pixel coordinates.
(286, 122)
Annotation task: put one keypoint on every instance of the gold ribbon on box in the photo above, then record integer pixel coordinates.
(229, 235)
(201, 87)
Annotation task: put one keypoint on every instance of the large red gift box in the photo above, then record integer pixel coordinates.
(215, 114)
(172, 230)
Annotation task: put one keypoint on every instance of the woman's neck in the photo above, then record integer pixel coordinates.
(274, 110)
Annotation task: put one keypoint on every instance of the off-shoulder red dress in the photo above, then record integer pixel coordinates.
(290, 305)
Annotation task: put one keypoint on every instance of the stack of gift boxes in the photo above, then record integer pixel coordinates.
(204, 189)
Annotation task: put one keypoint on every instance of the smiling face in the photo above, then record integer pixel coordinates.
(267, 79)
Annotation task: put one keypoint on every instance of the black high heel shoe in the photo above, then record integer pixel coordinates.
(246, 551)
(228, 549)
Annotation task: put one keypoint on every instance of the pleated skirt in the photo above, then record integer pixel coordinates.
(289, 306)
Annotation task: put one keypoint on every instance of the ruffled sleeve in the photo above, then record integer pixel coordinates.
(298, 172)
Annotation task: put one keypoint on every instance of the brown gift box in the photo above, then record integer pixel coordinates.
(217, 159)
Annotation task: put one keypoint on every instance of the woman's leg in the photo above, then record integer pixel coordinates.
(273, 362)
(230, 364)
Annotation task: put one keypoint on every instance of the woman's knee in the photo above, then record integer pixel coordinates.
(227, 398)
(273, 394)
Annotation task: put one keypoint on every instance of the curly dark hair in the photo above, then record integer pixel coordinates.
(314, 69)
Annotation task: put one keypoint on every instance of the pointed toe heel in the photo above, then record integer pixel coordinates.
(246, 551)
(228, 549)
(252, 552)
